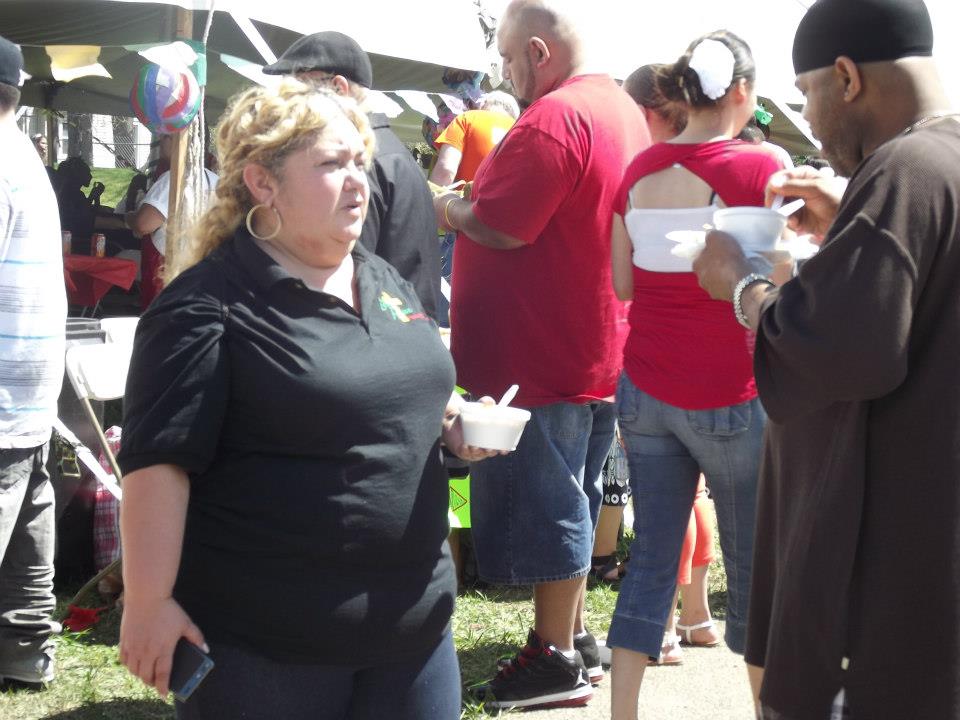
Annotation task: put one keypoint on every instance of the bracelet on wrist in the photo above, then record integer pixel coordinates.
(446, 216)
(744, 283)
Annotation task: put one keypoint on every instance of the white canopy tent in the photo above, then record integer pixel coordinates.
(118, 29)
(390, 29)
(410, 46)
(403, 56)
(620, 36)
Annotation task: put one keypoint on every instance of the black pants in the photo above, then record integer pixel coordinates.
(246, 685)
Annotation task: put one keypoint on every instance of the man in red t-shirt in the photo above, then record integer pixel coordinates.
(533, 304)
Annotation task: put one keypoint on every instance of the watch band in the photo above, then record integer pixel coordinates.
(744, 283)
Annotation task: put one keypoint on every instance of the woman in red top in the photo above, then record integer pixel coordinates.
(686, 400)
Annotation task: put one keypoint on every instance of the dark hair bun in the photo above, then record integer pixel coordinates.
(678, 83)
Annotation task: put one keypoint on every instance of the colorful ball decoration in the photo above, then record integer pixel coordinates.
(165, 100)
(431, 129)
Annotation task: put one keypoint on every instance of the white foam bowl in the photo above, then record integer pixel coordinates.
(757, 229)
(492, 427)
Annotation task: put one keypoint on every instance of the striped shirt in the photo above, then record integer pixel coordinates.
(33, 304)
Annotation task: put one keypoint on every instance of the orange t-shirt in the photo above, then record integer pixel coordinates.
(474, 133)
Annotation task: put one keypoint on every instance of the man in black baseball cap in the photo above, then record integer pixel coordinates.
(33, 315)
(400, 226)
(330, 52)
(11, 64)
(857, 534)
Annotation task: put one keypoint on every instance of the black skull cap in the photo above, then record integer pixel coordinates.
(862, 30)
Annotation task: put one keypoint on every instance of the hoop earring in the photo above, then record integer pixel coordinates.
(276, 230)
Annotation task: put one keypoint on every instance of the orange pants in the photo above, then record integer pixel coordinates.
(698, 543)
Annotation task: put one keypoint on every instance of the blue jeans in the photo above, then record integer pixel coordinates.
(534, 510)
(667, 448)
(27, 539)
(244, 684)
(446, 272)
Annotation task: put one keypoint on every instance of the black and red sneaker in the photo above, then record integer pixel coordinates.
(586, 645)
(539, 676)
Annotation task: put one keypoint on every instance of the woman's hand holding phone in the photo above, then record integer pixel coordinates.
(149, 632)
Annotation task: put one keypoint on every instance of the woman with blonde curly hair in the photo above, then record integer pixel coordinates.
(284, 497)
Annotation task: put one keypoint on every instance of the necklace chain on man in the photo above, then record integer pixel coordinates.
(927, 118)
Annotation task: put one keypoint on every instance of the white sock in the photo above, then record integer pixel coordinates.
(569, 654)
(580, 635)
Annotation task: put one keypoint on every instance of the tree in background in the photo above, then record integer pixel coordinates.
(124, 142)
(80, 136)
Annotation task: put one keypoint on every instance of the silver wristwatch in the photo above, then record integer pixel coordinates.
(744, 283)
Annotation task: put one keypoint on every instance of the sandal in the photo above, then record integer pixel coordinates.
(670, 652)
(607, 568)
(687, 637)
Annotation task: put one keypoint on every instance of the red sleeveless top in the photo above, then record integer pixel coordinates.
(684, 348)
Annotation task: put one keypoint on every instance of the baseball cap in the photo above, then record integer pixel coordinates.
(11, 63)
(329, 51)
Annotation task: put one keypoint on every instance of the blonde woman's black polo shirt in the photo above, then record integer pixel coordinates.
(318, 502)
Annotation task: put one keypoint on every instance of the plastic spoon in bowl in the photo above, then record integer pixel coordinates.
(508, 396)
(790, 208)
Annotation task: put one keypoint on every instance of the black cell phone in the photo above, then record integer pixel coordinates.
(190, 667)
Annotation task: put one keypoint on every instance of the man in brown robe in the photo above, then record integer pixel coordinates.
(857, 557)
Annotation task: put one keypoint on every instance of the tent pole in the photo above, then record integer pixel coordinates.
(184, 29)
(53, 126)
(53, 137)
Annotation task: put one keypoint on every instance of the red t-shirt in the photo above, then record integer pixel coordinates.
(544, 315)
(684, 348)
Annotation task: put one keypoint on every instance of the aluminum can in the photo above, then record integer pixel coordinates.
(98, 244)
(66, 239)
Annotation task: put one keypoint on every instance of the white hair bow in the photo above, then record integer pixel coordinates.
(713, 62)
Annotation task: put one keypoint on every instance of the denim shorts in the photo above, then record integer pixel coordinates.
(667, 448)
(534, 510)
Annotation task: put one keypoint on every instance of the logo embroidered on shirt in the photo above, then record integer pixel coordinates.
(394, 306)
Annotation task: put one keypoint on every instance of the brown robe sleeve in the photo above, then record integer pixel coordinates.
(839, 332)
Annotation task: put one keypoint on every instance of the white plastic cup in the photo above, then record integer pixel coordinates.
(757, 229)
(492, 427)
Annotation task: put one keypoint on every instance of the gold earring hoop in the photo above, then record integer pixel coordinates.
(276, 230)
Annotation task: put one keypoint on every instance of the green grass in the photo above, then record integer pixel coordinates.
(116, 181)
(488, 624)
(91, 684)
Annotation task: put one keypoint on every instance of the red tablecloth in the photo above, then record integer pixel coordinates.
(88, 278)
